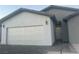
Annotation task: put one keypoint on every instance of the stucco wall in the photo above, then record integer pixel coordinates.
(73, 27)
(28, 19)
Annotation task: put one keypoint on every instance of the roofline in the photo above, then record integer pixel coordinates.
(22, 10)
(67, 18)
(59, 7)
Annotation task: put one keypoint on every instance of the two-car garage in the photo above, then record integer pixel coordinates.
(25, 35)
(28, 28)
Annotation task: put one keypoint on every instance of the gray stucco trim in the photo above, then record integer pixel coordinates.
(65, 33)
(6, 36)
(59, 7)
(22, 10)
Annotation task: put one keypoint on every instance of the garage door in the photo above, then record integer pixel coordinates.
(28, 35)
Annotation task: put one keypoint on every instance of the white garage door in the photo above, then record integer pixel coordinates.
(32, 35)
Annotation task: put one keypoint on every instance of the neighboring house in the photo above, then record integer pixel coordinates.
(26, 27)
(71, 24)
(60, 12)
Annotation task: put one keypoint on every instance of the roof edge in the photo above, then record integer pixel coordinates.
(21, 10)
(59, 7)
(67, 18)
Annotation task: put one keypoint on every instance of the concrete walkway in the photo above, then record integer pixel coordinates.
(61, 49)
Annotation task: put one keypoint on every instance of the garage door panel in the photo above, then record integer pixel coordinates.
(26, 35)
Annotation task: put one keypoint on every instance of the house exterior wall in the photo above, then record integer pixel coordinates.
(29, 19)
(73, 29)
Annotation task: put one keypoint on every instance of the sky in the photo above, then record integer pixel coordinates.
(7, 9)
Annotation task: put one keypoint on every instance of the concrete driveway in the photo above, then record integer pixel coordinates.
(60, 48)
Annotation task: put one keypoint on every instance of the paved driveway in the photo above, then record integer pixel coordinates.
(60, 48)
